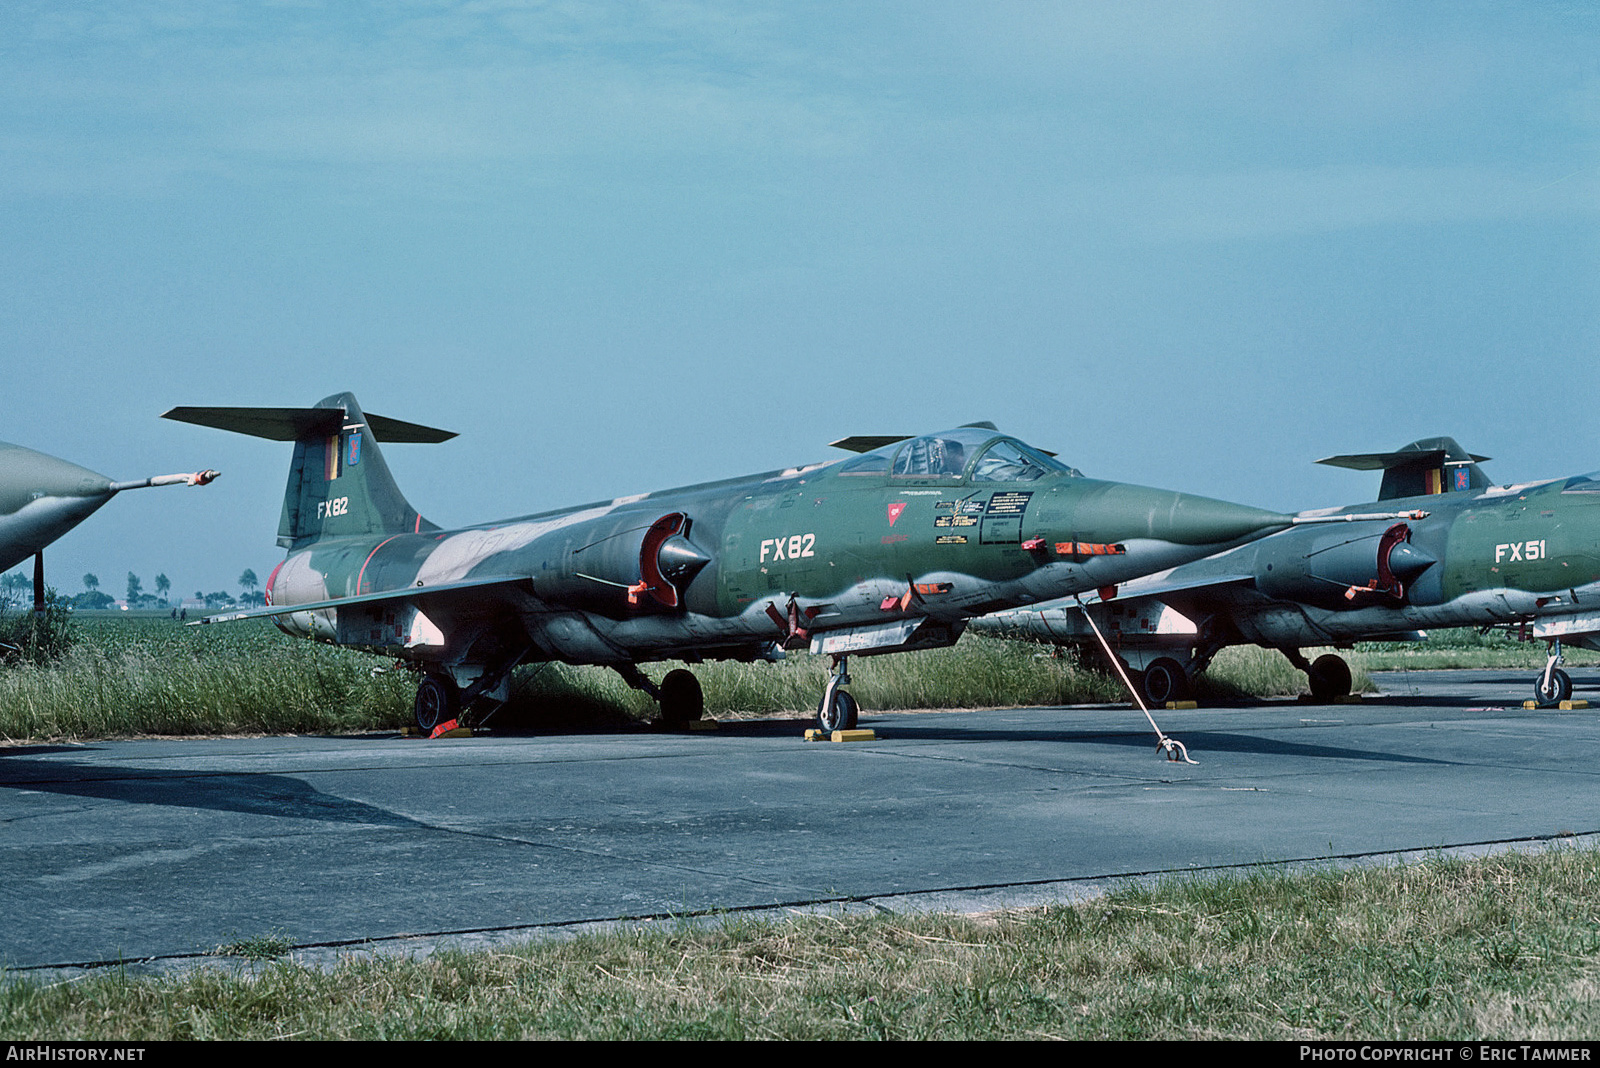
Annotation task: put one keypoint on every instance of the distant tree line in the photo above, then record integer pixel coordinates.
(17, 587)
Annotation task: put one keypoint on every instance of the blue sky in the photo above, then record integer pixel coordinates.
(620, 247)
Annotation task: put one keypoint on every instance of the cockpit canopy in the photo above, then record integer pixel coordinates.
(974, 453)
(1589, 483)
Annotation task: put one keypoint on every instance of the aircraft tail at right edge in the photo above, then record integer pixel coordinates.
(1425, 467)
(339, 485)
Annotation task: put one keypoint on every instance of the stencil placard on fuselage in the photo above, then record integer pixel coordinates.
(1002, 520)
(958, 514)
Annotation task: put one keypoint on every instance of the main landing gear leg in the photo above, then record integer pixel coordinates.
(1553, 685)
(838, 710)
(1328, 675)
(441, 699)
(679, 695)
(474, 696)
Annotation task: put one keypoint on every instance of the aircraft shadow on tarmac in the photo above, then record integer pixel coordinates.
(932, 728)
(278, 796)
(1198, 742)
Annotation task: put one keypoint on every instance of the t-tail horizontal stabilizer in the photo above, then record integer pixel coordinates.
(292, 424)
(339, 485)
(1424, 467)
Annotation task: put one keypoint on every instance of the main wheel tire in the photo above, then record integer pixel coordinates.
(1560, 688)
(682, 700)
(1164, 680)
(438, 701)
(1329, 677)
(843, 714)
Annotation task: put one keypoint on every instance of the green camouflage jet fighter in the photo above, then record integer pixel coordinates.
(891, 550)
(1525, 555)
(41, 498)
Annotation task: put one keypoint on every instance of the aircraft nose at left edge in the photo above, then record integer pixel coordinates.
(1186, 518)
(1144, 529)
(1199, 521)
(50, 476)
(1205, 524)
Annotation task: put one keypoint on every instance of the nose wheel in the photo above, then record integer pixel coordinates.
(1553, 685)
(1551, 691)
(840, 715)
(838, 710)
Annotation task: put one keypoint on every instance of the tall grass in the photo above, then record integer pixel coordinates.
(27, 636)
(248, 685)
(126, 676)
(150, 676)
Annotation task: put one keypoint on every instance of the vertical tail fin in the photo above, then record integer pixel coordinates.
(1424, 467)
(339, 485)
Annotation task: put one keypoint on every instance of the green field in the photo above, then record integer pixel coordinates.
(1502, 948)
(1465, 648)
(126, 676)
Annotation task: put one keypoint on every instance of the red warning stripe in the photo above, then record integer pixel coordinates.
(1089, 548)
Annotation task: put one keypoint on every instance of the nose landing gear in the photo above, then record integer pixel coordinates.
(838, 710)
(1553, 685)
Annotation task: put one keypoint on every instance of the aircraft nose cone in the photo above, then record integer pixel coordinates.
(26, 476)
(1167, 515)
(41, 498)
